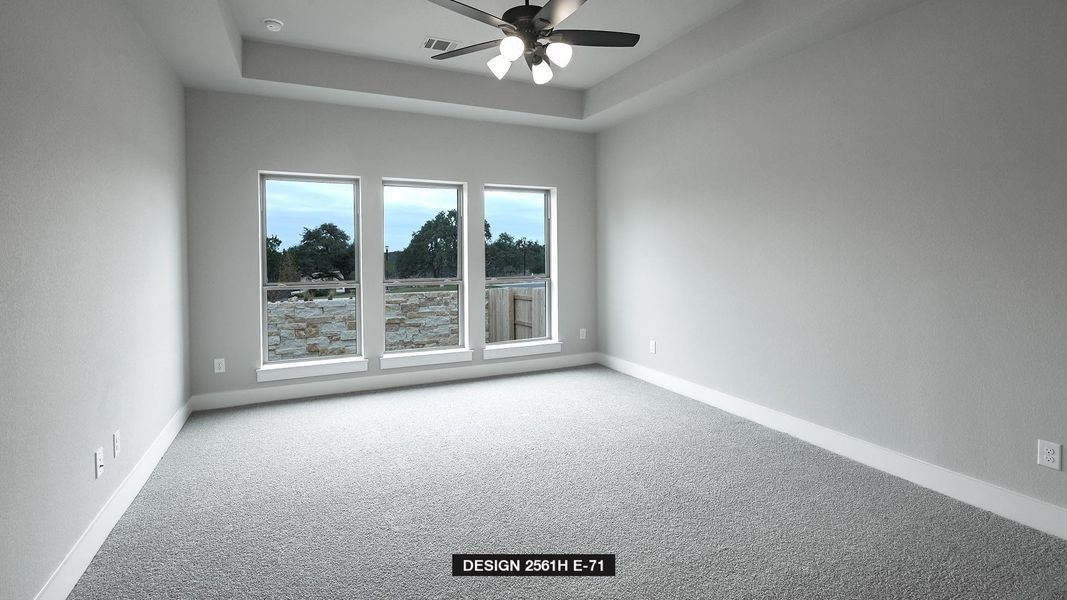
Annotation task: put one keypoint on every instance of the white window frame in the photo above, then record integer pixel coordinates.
(393, 359)
(550, 343)
(311, 366)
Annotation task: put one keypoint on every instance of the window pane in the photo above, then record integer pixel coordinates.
(310, 230)
(305, 323)
(421, 317)
(516, 311)
(421, 232)
(515, 233)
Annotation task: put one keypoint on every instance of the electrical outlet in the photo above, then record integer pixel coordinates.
(98, 459)
(1048, 455)
(115, 443)
(651, 346)
(581, 333)
(220, 365)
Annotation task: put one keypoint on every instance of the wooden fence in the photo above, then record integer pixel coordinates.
(516, 313)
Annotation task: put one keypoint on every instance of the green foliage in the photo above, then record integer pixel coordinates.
(288, 271)
(433, 249)
(391, 259)
(432, 253)
(274, 257)
(508, 257)
(325, 251)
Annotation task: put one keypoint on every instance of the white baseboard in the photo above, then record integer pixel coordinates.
(1029, 511)
(66, 575)
(364, 383)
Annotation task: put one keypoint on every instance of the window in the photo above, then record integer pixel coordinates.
(423, 266)
(517, 263)
(310, 267)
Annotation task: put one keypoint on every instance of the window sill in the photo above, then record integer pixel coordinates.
(424, 358)
(522, 349)
(311, 368)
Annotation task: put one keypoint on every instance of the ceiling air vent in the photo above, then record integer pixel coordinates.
(439, 45)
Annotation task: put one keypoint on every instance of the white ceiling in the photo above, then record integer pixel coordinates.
(395, 30)
(368, 52)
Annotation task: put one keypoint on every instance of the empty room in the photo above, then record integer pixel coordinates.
(724, 299)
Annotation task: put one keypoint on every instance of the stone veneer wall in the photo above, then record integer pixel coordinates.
(416, 320)
(322, 328)
(301, 329)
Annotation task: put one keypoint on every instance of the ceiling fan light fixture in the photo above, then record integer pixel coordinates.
(560, 54)
(542, 73)
(499, 65)
(531, 31)
(512, 47)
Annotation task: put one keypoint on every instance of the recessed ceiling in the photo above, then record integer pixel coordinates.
(369, 52)
(396, 29)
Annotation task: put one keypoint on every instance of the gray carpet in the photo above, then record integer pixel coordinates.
(367, 496)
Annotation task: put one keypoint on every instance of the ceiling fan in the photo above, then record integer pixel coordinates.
(530, 32)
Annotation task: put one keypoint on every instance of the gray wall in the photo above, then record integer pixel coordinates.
(231, 137)
(93, 291)
(870, 234)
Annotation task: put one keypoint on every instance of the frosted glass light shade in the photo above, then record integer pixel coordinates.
(499, 66)
(542, 73)
(560, 53)
(512, 47)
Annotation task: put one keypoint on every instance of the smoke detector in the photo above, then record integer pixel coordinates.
(273, 25)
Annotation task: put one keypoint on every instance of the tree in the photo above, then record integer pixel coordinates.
(533, 256)
(507, 257)
(287, 270)
(391, 258)
(274, 257)
(499, 256)
(325, 251)
(433, 249)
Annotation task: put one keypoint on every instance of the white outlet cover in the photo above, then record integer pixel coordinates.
(581, 333)
(220, 365)
(1049, 454)
(98, 457)
(651, 346)
(116, 443)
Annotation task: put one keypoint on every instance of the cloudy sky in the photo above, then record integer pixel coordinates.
(294, 205)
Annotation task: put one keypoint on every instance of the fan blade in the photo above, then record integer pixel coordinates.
(467, 50)
(589, 37)
(474, 13)
(555, 11)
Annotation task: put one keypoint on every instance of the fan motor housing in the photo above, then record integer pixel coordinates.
(522, 16)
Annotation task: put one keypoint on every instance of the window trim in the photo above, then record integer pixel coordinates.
(344, 361)
(299, 369)
(423, 358)
(448, 353)
(551, 328)
(513, 349)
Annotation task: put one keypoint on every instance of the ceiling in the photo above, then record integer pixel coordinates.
(395, 30)
(369, 52)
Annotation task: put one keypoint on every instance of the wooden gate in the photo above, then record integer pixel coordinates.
(516, 313)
